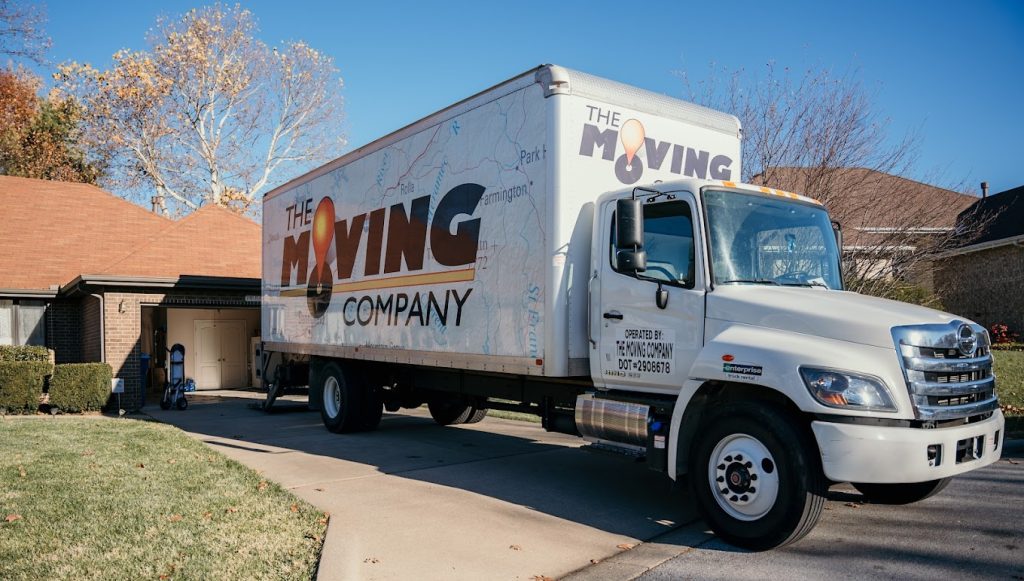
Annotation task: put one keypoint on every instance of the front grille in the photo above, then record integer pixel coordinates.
(943, 353)
(947, 379)
(947, 401)
(934, 377)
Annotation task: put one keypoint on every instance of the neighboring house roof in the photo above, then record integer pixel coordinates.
(54, 232)
(994, 220)
(871, 205)
(212, 241)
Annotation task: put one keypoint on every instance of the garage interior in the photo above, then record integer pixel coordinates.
(220, 345)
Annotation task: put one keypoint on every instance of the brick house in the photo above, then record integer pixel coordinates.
(983, 278)
(97, 278)
(888, 221)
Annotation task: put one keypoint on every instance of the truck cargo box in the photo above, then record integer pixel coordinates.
(463, 240)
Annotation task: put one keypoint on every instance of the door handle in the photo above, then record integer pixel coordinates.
(613, 315)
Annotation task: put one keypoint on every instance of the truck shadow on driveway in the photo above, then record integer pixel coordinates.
(510, 461)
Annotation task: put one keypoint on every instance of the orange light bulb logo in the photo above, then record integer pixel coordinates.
(323, 233)
(632, 137)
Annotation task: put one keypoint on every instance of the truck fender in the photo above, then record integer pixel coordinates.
(690, 388)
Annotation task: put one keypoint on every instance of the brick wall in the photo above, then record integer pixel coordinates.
(90, 329)
(985, 286)
(64, 329)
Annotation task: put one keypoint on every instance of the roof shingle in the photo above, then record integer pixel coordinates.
(52, 232)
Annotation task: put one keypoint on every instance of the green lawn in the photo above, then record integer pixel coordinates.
(1009, 368)
(91, 498)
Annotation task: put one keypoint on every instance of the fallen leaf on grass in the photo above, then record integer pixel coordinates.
(515, 547)
(231, 509)
(207, 515)
(625, 546)
(295, 508)
(314, 538)
(174, 518)
(373, 560)
(595, 561)
(262, 485)
(172, 461)
(140, 465)
(21, 471)
(88, 453)
(13, 517)
(322, 521)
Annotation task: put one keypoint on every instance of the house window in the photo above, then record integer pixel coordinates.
(22, 322)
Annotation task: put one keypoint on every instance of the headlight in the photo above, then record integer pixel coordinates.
(840, 389)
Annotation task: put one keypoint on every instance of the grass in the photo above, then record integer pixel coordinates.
(98, 498)
(1009, 369)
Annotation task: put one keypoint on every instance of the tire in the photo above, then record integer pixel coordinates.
(901, 493)
(342, 406)
(182, 403)
(373, 409)
(449, 412)
(477, 415)
(769, 470)
(165, 402)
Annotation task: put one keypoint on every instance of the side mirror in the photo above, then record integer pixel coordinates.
(629, 236)
(837, 229)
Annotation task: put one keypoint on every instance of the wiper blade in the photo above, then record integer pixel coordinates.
(752, 281)
(805, 284)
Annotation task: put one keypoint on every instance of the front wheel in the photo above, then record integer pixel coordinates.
(901, 493)
(756, 476)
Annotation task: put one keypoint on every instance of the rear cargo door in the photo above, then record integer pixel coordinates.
(641, 345)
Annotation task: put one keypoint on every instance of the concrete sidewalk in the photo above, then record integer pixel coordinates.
(496, 500)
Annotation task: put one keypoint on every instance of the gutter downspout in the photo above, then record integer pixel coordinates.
(103, 333)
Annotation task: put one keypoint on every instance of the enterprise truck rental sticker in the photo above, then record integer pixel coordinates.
(639, 351)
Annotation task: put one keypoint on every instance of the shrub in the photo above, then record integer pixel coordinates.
(24, 353)
(79, 387)
(913, 294)
(1001, 333)
(21, 384)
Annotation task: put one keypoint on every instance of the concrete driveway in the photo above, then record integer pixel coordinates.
(496, 500)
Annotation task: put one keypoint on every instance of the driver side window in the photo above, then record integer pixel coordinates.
(668, 240)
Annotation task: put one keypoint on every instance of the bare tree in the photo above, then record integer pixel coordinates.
(820, 134)
(21, 31)
(210, 114)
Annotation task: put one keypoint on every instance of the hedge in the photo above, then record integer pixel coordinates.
(24, 353)
(21, 385)
(79, 387)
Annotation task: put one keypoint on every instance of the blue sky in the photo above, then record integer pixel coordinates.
(953, 70)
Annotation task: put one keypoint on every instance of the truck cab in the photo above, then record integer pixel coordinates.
(728, 300)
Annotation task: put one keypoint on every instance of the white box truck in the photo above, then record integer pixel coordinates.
(579, 249)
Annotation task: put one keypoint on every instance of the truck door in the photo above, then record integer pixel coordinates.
(641, 345)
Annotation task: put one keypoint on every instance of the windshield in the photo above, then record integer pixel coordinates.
(762, 240)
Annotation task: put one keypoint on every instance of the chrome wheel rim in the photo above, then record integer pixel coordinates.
(744, 477)
(332, 397)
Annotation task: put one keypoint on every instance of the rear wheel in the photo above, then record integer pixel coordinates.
(901, 493)
(477, 415)
(452, 411)
(340, 409)
(756, 477)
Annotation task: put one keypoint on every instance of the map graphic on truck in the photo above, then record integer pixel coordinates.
(396, 247)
